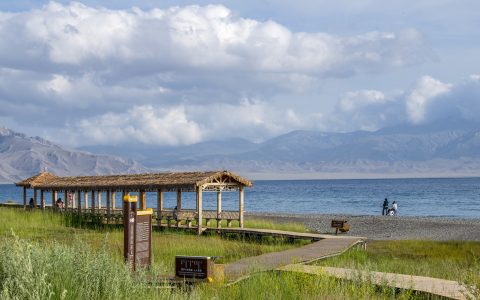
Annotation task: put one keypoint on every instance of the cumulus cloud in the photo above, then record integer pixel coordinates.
(429, 100)
(177, 75)
(426, 91)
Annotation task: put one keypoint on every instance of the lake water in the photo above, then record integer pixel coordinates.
(453, 197)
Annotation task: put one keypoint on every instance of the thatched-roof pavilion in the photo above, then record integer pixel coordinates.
(213, 181)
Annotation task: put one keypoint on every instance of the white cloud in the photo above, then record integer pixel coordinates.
(426, 91)
(180, 75)
(144, 124)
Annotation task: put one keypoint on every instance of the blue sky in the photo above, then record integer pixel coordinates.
(181, 72)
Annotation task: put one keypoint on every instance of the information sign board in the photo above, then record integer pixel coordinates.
(199, 267)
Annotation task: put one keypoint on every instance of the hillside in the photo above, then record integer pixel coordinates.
(22, 156)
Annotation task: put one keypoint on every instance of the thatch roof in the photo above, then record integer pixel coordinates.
(185, 181)
(39, 179)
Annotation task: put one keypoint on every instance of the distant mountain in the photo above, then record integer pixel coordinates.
(444, 148)
(440, 149)
(22, 156)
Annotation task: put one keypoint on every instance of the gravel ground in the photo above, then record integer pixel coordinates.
(387, 228)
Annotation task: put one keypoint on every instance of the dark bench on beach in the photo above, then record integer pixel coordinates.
(341, 225)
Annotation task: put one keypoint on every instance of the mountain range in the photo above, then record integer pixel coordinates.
(22, 156)
(440, 149)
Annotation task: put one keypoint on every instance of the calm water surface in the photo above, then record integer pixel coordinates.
(454, 197)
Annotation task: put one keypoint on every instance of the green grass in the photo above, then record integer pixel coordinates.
(47, 226)
(448, 260)
(43, 258)
(259, 223)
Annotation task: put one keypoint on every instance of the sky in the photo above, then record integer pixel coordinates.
(174, 73)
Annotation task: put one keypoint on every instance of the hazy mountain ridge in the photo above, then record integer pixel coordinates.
(422, 150)
(22, 156)
(429, 150)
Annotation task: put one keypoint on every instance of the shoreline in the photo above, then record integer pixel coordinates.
(386, 227)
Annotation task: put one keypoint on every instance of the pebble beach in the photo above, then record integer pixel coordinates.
(386, 227)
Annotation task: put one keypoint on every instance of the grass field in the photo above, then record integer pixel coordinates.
(43, 258)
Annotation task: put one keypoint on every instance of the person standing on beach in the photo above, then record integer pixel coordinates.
(385, 207)
(395, 207)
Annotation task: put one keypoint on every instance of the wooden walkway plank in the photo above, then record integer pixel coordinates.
(274, 260)
(441, 287)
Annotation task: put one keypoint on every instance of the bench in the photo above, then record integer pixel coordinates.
(341, 225)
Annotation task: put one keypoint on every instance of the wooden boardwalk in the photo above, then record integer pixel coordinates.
(281, 233)
(441, 287)
(271, 261)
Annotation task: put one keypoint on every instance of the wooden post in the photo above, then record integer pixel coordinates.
(113, 200)
(108, 205)
(34, 198)
(85, 196)
(159, 206)
(179, 200)
(54, 198)
(93, 202)
(74, 203)
(143, 200)
(240, 210)
(79, 201)
(24, 197)
(99, 196)
(65, 198)
(219, 209)
(199, 209)
(42, 199)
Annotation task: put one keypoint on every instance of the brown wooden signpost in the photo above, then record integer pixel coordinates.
(341, 225)
(137, 234)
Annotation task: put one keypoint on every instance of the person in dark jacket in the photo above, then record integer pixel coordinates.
(385, 207)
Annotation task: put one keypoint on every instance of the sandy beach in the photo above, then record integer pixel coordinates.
(387, 228)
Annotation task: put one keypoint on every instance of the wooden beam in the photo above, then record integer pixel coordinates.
(159, 206)
(113, 200)
(42, 199)
(74, 203)
(199, 210)
(108, 205)
(35, 198)
(24, 197)
(85, 197)
(79, 202)
(65, 198)
(219, 209)
(99, 197)
(240, 210)
(143, 200)
(54, 198)
(93, 201)
(179, 200)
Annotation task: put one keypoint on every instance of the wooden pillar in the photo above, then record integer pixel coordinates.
(179, 200)
(79, 201)
(92, 206)
(99, 196)
(54, 198)
(159, 206)
(143, 200)
(113, 200)
(65, 199)
(24, 197)
(108, 205)
(42, 199)
(34, 198)
(240, 210)
(74, 203)
(199, 209)
(219, 209)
